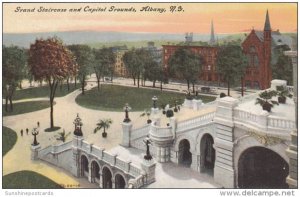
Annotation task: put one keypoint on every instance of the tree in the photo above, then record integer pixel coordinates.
(85, 59)
(51, 61)
(104, 63)
(13, 68)
(231, 64)
(153, 71)
(62, 136)
(282, 67)
(186, 65)
(103, 124)
(131, 62)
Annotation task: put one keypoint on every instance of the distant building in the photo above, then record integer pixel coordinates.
(258, 47)
(209, 54)
(155, 52)
(119, 68)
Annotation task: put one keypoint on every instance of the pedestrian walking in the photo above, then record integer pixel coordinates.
(38, 124)
(27, 130)
(21, 132)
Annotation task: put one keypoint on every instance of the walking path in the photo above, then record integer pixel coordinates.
(65, 111)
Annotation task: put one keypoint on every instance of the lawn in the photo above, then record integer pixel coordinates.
(28, 180)
(26, 107)
(114, 97)
(9, 139)
(43, 91)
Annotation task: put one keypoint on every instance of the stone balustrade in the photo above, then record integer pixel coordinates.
(281, 123)
(140, 132)
(195, 122)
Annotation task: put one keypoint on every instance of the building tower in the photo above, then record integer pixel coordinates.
(267, 73)
(212, 40)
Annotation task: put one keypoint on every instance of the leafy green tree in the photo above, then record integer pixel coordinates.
(231, 64)
(186, 65)
(13, 68)
(85, 59)
(153, 71)
(103, 124)
(51, 61)
(104, 62)
(282, 67)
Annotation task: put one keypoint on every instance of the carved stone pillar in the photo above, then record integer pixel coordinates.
(292, 150)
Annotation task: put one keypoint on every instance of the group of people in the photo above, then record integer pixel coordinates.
(27, 130)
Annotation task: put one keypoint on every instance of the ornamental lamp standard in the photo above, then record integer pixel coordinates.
(126, 109)
(147, 141)
(154, 99)
(78, 124)
(35, 132)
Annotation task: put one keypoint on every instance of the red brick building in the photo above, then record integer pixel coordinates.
(209, 54)
(258, 47)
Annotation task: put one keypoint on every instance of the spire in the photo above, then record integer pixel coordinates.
(212, 34)
(267, 23)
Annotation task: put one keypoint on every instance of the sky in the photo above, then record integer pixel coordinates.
(194, 17)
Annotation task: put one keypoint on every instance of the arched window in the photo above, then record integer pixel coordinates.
(253, 59)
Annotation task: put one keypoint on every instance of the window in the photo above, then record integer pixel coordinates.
(248, 84)
(253, 60)
(166, 50)
(256, 85)
(208, 67)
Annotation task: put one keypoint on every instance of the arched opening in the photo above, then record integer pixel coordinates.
(95, 172)
(208, 154)
(184, 154)
(259, 167)
(84, 166)
(106, 175)
(119, 182)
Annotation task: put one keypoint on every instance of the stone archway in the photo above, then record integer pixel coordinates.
(184, 154)
(107, 178)
(207, 154)
(84, 166)
(120, 182)
(259, 167)
(95, 168)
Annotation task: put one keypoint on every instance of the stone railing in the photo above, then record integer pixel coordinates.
(246, 117)
(43, 152)
(280, 123)
(61, 147)
(140, 132)
(195, 122)
(264, 122)
(134, 170)
(161, 131)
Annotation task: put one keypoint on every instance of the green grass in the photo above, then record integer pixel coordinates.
(113, 98)
(28, 180)
(26, 107)
(43, 91)
(9, 139)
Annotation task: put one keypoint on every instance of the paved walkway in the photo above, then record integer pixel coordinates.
(65, 112)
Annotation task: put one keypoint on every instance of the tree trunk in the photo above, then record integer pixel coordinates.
(98, 84)
(133, 81)
(10, 104)
(51, 113)
(153, 85)
(242, 86)
(6, 103)
(228, 85)
(68, 84)
(161, 88)
(20, 85)
(82, 86)
(188, 84)
(75, 79)
(138, 81)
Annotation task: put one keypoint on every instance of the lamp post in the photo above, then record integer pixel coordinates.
(154, 99)
(35, 132)
(126, 109)
(147, 142)
(78, 124)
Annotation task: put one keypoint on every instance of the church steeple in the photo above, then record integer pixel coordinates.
(212, 34)
(267, 23)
